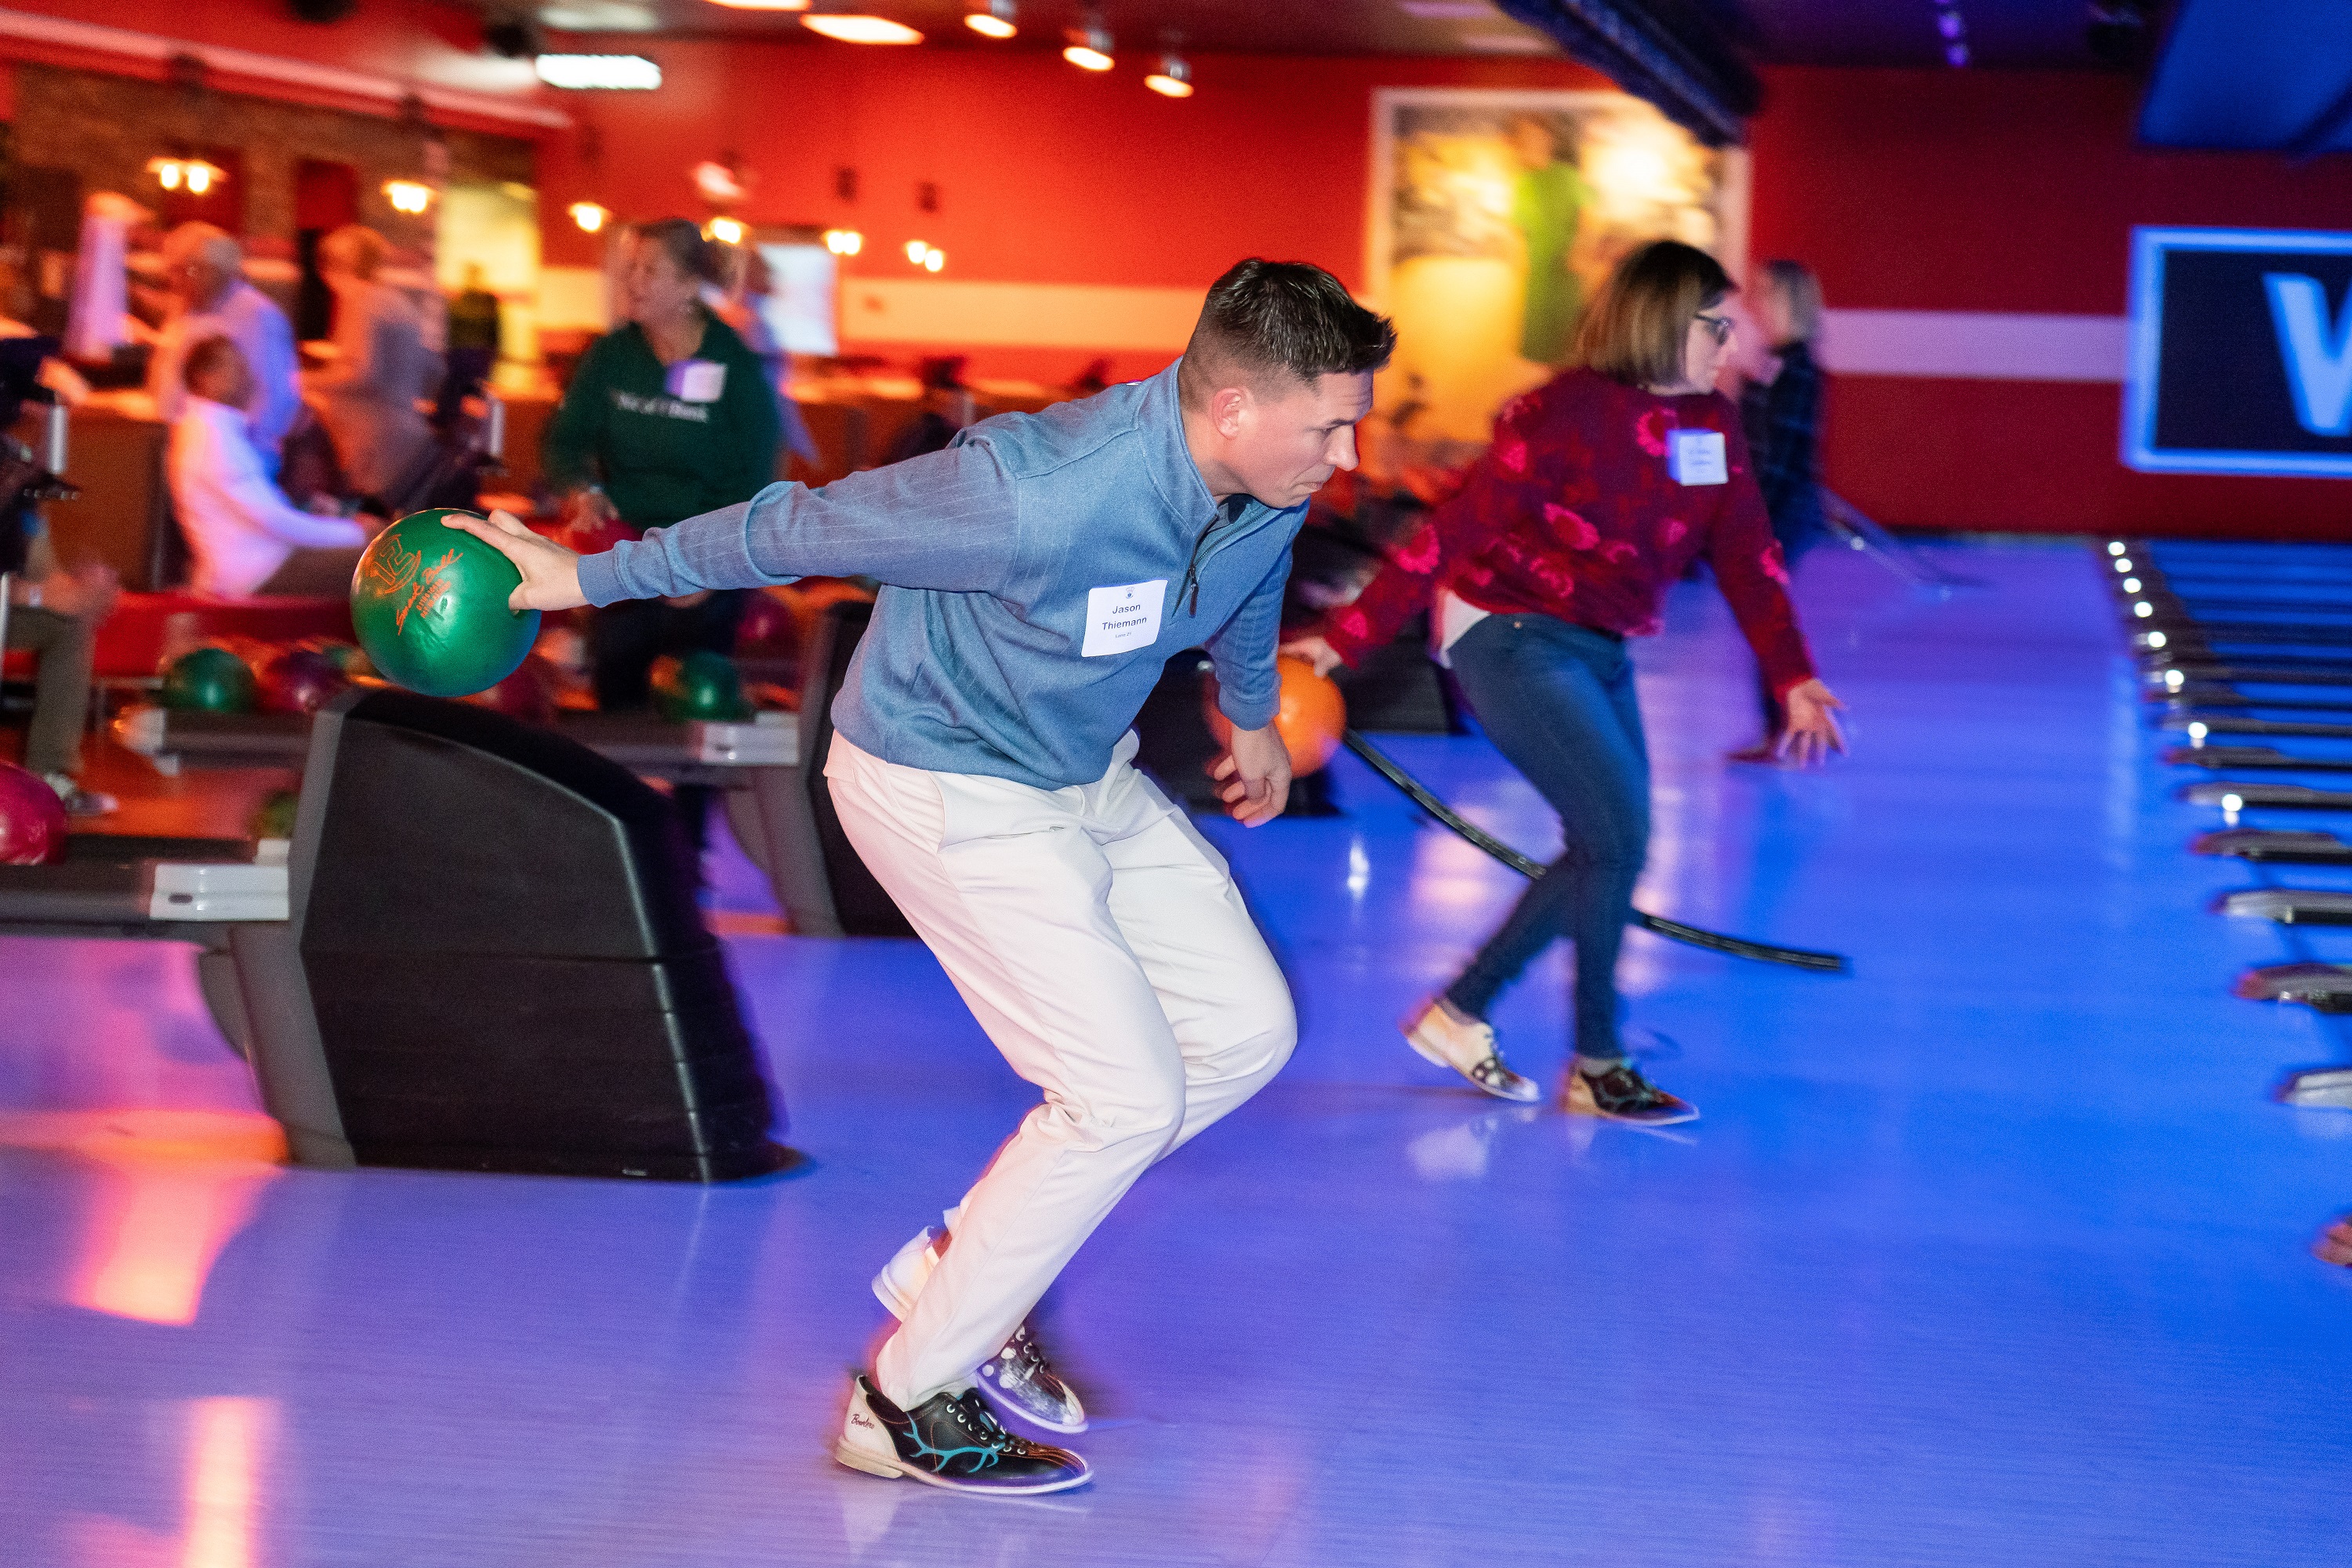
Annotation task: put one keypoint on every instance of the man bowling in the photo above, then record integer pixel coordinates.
(1037, 575)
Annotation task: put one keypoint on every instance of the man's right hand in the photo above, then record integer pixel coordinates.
(1315, 651)
(550, 573)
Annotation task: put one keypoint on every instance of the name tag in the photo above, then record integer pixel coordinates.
(1123, 616)
(696, 381)
(1697, 458)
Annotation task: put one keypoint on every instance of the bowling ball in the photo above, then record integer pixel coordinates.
(32, 819)
(274, 817)
(529, 694)
(769, 628)
(430, 606)
(1311, 716)
(344, 656)
(701, 685)
(299, 680)
(209, 679)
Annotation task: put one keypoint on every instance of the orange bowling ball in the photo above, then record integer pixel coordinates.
(1310, 720)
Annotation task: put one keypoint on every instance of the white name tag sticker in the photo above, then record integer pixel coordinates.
(1697, 458)
(697, 380)
(1123, 616)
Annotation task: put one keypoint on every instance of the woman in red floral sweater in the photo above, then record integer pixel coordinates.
(1600, 488)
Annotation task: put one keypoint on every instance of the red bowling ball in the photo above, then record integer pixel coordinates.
(32, 819)
(529, 694)
(769, 628)
(299, 680)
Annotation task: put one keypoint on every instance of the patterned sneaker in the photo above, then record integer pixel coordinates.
(1623, 1094)
(77, 801)
(1468, 1049)
(949, 1440)
(1018, 1376)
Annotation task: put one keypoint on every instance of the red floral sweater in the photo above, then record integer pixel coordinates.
(1571, 513)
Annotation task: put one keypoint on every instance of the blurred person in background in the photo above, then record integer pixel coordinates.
(244, 536)
(473, 344)
(367, 399)
(1781, 412)
(741, 307)
(204, 270)
(55, 615)
(669, 417)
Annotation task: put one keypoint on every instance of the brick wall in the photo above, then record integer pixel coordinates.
(105, 128)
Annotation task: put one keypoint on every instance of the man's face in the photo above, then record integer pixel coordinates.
(1289, 438)
(225, 380)
(198, 283)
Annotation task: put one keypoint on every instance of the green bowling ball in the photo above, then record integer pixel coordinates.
(430, 607)
(702, 685)
(209, 679)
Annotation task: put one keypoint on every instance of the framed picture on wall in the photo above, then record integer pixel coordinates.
(1495, 214)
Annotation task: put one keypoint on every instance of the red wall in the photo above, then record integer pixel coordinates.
(1047, 173)
(2009, 192)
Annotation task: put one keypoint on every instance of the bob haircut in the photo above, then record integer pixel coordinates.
(1800, 291)
(354, 249)
(682, 242)
(1635, 328)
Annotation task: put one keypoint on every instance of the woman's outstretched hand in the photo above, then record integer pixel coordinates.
(550, 573)
(1813, 732)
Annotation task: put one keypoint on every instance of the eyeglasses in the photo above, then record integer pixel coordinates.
(1718, 327)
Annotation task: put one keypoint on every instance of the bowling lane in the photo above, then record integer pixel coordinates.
(1991, 1253)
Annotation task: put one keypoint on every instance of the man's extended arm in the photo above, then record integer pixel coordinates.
(948, 520)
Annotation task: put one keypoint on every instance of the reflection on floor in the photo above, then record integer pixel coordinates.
(1993, 1253)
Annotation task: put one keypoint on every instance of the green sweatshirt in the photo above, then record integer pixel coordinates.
(666, 444)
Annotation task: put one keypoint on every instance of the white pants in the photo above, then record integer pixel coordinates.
(1100, 942)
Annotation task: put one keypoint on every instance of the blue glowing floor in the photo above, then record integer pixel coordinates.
(1994, 1253)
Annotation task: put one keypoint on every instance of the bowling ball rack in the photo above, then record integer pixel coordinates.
(479, 950)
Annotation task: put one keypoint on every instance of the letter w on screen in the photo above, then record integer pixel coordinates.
(2319, 352)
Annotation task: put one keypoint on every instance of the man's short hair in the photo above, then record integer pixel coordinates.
(208, 356)
(1635, 328)
(1265, 319)
(201, 242)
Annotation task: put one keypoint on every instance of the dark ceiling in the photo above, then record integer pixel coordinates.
(2000, 33)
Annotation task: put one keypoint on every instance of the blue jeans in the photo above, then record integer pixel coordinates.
(1558, 701)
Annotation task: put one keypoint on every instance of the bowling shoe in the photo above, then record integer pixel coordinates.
(1018, 1376)
(1623, 1094)
(1469, 1049)
(949, 1440)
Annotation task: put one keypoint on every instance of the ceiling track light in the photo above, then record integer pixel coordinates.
(862, 29)
(1090, 48)
(1173, 80)
(995, 22)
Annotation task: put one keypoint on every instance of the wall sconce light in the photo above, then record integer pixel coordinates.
(193, 175)
(589, 216)
(843, 241)
(1173, 80)
(922, 254)
(726, 230)
(996, 22)
(410, 196)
